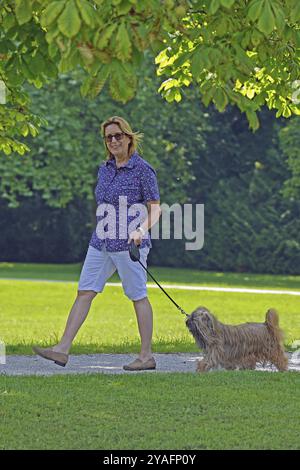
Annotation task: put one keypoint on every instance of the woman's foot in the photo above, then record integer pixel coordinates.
(138, 364)
(59, 358)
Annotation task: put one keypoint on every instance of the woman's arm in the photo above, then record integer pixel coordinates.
(154, 212)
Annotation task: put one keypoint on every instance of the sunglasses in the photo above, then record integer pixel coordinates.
(118, 136)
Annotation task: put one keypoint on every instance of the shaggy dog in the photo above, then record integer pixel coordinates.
(237, 347)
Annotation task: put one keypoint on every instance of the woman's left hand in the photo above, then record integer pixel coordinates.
(136, 236)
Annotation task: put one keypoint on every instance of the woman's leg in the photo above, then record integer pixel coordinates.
(144, 316)
(134, 279)
(97, 268)
(76, 318)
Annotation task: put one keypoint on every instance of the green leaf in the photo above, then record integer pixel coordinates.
(52, 11)
(69, 22)
(52, 50)
(227, 3)
(255, 9)
(295, 13)
(23, 11)
(51, 70)
(182, 59)
(87, 12)
(8, 21)
(222, 26)
(86, 54)
(86, 86)
(140, 37)
(157, 46)
(33, 130)
(68, 63)
(266, 22)
(253, 119)
(6, 149)
(246, 40)
(177, 96)
(220, 99)
(6, 46)
(208, 96)
(99, 81)
(26, 70)
(279, 18)
(137, 57)
(244, 59)
(286, 112)
(124, 7)
(256, 37)
(105, 36)
(297, 38)
(123, 47)
(104, 56)
(250, 93)
(52, 33)
(168, 84)
(24, 130)
(214, 56)
(122, 85)
(37, 64)
(214, 6)
(170, 95)
(197, 63)
(38, 83)
(15, 79)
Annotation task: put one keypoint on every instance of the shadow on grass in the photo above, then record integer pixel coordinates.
(127, 347)
(95, 348)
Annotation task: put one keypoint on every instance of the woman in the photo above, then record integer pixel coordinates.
(124, 180)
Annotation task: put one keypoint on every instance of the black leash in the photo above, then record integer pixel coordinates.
(134, 254)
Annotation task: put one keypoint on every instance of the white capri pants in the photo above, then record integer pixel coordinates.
(99, 266)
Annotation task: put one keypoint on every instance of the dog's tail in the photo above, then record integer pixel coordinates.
(272, 323)
(280, 358)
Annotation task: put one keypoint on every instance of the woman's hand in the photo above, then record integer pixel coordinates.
(136, 236)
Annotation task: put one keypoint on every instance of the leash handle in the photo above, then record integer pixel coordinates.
(134, 254)
(179, 308)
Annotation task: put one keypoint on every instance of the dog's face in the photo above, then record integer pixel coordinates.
(202, 325)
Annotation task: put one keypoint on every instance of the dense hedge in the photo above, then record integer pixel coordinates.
(35, 232)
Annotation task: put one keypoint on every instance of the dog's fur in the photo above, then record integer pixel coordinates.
(237, 347)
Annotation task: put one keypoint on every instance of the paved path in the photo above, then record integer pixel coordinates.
(107, 364)
(240, 290)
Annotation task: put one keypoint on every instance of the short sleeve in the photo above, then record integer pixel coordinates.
(100, 170)
(149, 183)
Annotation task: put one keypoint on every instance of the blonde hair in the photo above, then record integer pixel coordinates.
(136, 137)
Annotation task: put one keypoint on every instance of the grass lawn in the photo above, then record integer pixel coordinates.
(36, 312)
(218, 410)
(71, 272)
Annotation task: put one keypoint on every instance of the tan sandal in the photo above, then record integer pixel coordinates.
(138, 364)
(60, 359)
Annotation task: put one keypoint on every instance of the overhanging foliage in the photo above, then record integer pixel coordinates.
(241, 52)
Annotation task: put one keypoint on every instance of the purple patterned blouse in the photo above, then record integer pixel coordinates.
(137, 182)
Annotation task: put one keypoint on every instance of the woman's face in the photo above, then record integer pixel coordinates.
(117, 142)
